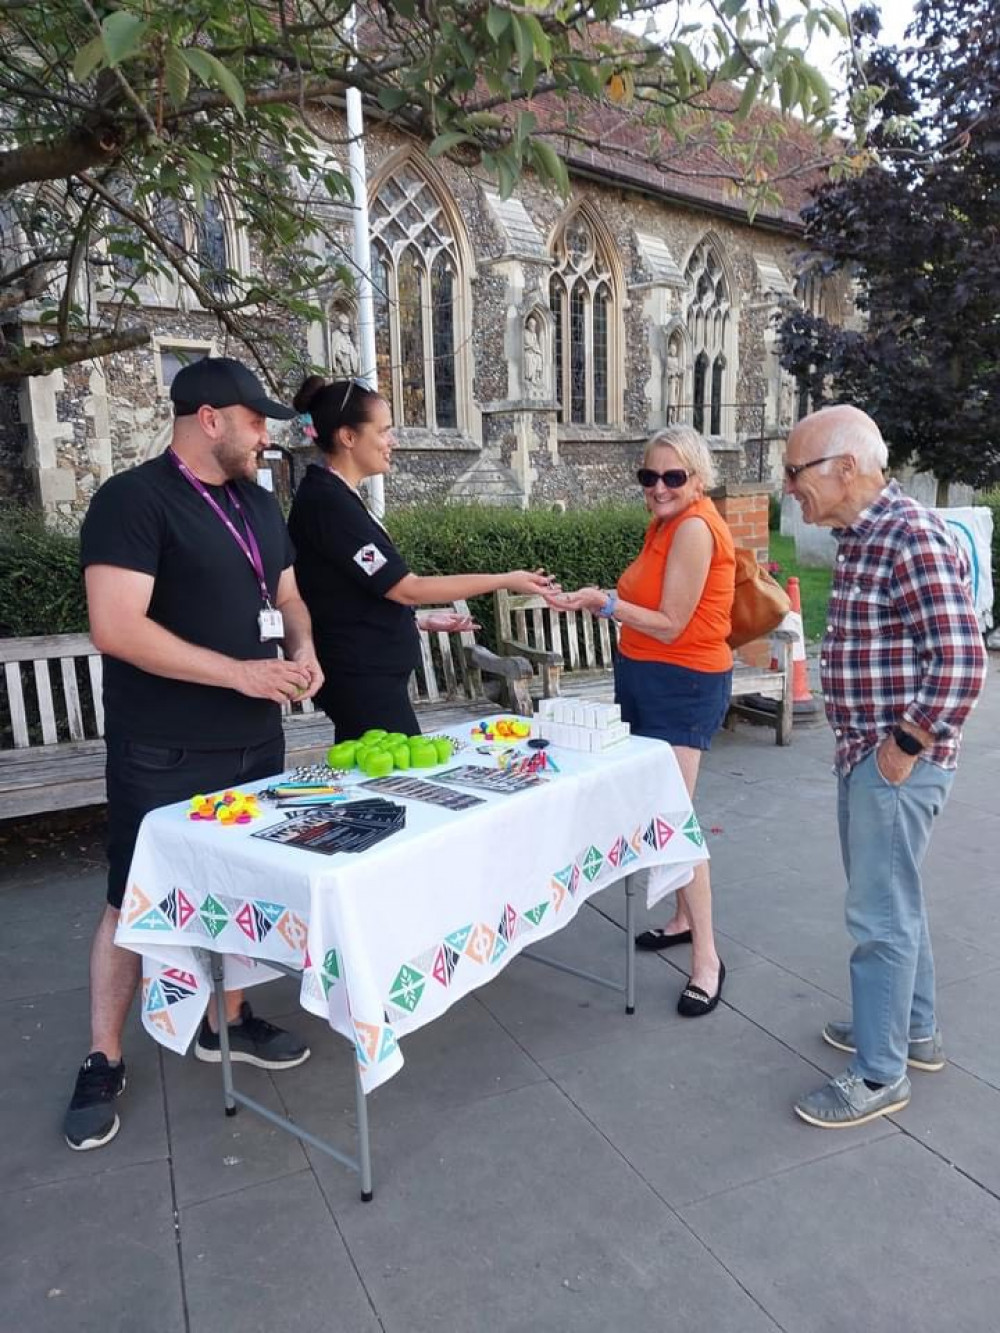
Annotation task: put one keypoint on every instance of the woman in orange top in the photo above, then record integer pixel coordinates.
(673, 674)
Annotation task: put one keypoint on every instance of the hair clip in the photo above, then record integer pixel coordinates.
(306, 422)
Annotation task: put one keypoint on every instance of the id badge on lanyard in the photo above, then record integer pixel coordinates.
(272, 624)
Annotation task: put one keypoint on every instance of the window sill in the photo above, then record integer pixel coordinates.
(420, 439)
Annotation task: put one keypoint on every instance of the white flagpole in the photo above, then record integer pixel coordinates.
(363, 258)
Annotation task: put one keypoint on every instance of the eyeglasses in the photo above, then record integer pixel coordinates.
(674, 478)
(792, 470)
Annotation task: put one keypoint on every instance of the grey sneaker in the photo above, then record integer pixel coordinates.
(847, 1100)
(91, 1119)
(926, 1053)
(252, 1041)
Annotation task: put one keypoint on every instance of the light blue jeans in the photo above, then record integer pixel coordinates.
(884, 833)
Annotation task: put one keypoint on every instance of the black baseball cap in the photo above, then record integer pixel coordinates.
(219, 381)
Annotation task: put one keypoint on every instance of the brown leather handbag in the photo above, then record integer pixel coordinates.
(760, 603)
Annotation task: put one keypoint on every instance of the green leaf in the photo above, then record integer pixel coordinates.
(212, 72)
(550, 164)
(496, 22)
(178, 76)
(522, 40)
(445, 142)
(121, 33)
(750, 94)
(391, 99)
(87, 59)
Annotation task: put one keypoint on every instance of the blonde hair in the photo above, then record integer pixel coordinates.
(690, 447)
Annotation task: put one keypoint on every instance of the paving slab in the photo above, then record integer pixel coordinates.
(706, 1111)
(879, 1235)
(45, 1039)
(271, 1257)
(520, 1215)
(92, 1255)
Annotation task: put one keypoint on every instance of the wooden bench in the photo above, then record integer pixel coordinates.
(574, 650)
(52, 714)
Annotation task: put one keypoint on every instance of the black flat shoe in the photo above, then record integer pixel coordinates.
(694, 1001)
(660, 939)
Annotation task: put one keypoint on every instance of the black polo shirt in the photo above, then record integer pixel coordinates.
(151, 520)
(345, 563)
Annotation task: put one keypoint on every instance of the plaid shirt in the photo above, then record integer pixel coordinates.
(902, 641)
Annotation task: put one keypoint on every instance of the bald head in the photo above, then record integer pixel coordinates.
(833, 431)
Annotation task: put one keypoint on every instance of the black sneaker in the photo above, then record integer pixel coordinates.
(91, 1120)
(252, 1041)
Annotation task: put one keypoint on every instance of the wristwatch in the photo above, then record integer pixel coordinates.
(607, 611)
(907, 742)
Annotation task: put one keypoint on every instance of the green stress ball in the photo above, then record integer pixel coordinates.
(401, 755)
(375, 734)
(442, 747)
(342, 755)
(395, 738)
(377, 764)
(423, 754)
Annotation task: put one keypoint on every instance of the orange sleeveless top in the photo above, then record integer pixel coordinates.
(701, 644)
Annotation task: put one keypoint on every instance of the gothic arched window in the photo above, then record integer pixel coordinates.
(584, 316)
(415, 272)
(709, 324)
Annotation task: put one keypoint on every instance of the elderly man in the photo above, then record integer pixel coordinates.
(902, 666)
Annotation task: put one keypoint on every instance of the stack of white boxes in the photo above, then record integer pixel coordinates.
(579, 725)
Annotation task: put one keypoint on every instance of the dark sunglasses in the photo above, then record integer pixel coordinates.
(674, 478)
(792, 470)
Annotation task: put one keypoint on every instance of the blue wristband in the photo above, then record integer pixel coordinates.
(607, 611)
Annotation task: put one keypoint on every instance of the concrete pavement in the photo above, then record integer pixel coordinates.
(542, 1162)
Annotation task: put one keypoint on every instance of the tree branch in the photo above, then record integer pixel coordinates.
(16, 362)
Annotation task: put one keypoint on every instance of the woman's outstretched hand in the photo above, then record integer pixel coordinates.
(584, 599)
(446, 622)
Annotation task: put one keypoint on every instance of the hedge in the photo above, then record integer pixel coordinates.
(41, 590)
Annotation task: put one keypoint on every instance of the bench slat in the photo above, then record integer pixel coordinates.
(95, 669)
(46, 711)
(604, 637)
(571, 635)
(15, 698)
(588, 642)
(447, 666)
(538, 624)
(74, 714)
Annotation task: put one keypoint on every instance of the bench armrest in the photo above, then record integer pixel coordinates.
(513, 668)
(543, 656)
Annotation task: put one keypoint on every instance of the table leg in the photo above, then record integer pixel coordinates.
(364, 1144)
(218, 975)
(630, 944)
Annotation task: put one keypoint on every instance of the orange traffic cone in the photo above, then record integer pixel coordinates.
(804, 706)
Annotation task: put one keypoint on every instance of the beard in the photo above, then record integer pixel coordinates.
(235, 457)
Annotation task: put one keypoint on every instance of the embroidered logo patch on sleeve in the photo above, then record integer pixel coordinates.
(370, 558)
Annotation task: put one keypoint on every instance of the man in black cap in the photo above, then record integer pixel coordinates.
(190, 588)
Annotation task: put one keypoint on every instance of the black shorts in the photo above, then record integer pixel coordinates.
(142, 777)
(355, 704)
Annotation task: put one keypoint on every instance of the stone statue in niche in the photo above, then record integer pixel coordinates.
(534, 360)
(675, 380)
(786, 400)
(344, 360)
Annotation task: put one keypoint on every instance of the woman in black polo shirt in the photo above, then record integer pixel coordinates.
(359, 589)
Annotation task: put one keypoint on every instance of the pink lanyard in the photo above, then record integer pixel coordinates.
(247, 545)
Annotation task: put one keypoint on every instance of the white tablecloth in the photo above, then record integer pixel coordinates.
(390, 938)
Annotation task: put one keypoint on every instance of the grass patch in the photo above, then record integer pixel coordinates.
(814, 585)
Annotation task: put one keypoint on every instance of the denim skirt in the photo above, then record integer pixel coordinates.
(672, 703)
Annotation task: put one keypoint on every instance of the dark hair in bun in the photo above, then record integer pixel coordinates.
(333, 404)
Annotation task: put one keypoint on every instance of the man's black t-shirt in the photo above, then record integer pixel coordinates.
(345, 562)
(151, 520)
